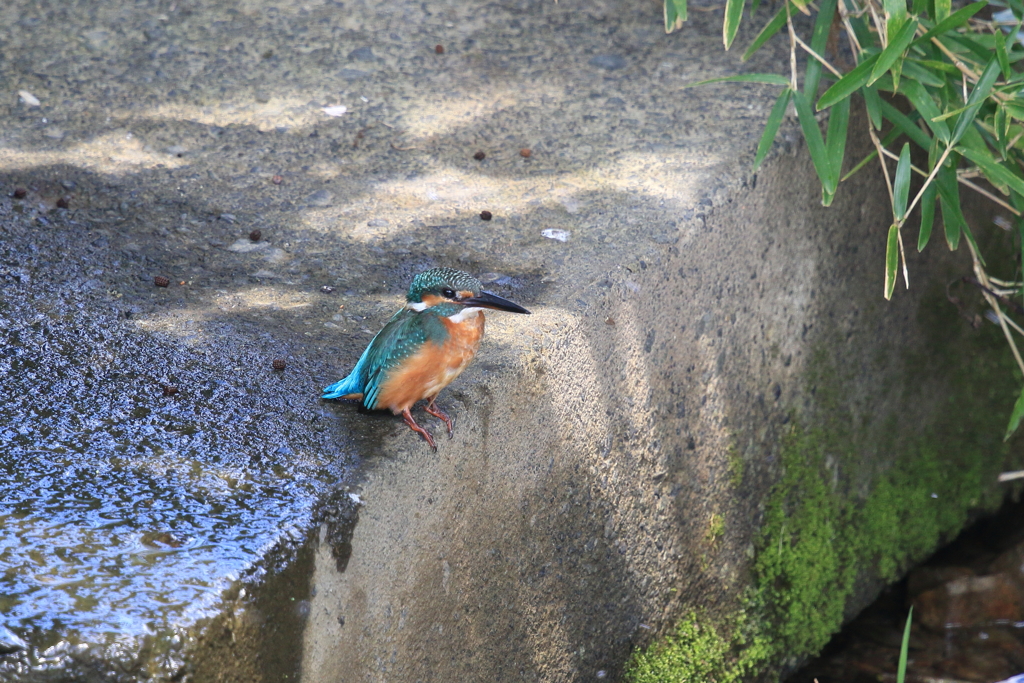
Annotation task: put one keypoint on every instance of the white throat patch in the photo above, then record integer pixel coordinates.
(467, 313)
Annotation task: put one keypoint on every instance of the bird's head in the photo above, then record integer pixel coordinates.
(447, 285)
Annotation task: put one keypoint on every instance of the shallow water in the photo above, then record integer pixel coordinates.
(124, 511)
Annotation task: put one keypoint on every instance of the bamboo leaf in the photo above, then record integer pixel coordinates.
(770, 79)
(835, 141)
(850, 83)
(897, 46)
(942, 8)
(901, 667)
(895, 17)
(892, 259)
(925, 106)
(997, 173)
(927, 216)
(1015, 416)
(675, 15)
(976, 99)
(952, 221)
(731, 24)
(815, 143)
(901, 184)
(951, 21)
(1004, 58)
(819, 39)
(906, 125)
(913, 69)
(773, 26)
(873, 103)
(886, 141)
(949, 201)
(771, 126)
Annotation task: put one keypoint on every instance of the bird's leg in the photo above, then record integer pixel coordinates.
(419, 430)
(442, 416)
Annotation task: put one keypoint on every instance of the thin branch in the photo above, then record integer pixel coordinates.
(903, 257)
(792, 46)
(967, 71)
(879, 25)
(881, 158)
(979, 271)
(1006, 283)
(985, 193)
(855, 47)
(920, 193)
(913, 168)
(821, 59)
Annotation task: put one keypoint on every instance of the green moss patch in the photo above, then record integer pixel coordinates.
(860, 497)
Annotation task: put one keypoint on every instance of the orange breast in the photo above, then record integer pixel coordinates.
(433, 367)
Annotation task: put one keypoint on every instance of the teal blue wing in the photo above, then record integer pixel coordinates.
(404, 334)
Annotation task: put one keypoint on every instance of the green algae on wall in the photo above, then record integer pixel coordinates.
(828, 525)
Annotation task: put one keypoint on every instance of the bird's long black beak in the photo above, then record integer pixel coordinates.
(488, 300)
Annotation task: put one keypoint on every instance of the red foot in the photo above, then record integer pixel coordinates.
(442, 416)
(419, 430)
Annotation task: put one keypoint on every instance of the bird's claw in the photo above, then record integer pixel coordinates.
(443, 416)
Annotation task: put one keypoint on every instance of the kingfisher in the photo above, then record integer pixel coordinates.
(424, 347)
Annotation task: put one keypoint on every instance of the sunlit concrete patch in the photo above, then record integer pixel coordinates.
(116, 153)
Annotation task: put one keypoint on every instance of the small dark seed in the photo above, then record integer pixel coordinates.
(327, 289)
(525, 153)
(170, 390)
(161, 281)
(20, 192)
(62, 203)
(480, 156)
(439, 49)
(278, 364)
(486, 215)
(255, 235)
(277, 180)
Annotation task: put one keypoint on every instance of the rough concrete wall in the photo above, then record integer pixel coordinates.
(613, 474)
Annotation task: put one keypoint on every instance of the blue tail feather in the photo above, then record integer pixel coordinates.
(353, 384)
(349, 385)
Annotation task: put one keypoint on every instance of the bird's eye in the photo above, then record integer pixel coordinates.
(448, 293)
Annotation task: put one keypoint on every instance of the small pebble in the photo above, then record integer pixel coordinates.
(20, 192)
(255, 235)
(62, 203)
(480, 156)
(486, 215)
(278, 364)
(327, 289)
(439, 49)
(170, 390)
(277, 180)
(161, 281)
(525, 153)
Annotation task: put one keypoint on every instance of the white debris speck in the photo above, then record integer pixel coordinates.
(556, 234)
(245, 245)
(354, 497)
(28, 98)
(336, 110)
(935, 495)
